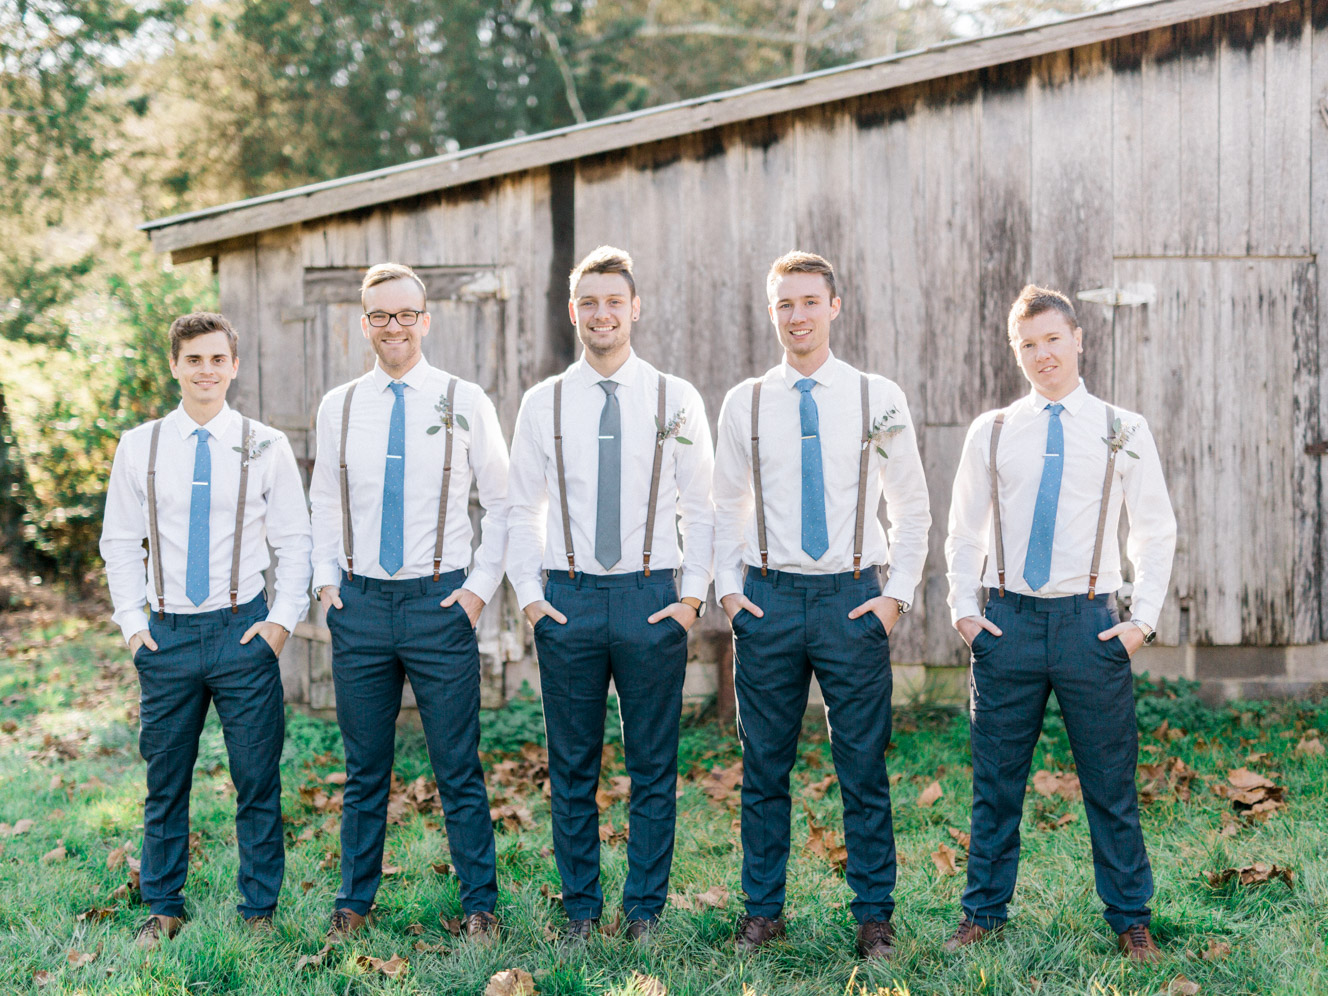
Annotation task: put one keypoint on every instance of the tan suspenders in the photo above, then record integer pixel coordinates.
(863, 461)
(154, 538)
(562, 477)
(347, 533)
(1101, 515)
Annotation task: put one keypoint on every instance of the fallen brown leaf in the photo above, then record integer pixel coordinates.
(22, 826)
(96, 913)
(1062, 783)
(428, 948)
(817, 790)
(391, 967)
(390, 870)
(335, 778)
(441, 868)
(313, 960)
(930, 794)
(944, 859)
(825, 843)
(42, 977)
(612, 927)
(510, 982)
(1216, 950)
(57, 853)
(1311, 746)
(77, 959)
(648, 985)
(117, 857)
(609, 834)
(450, 924)
(306, 886)
(1181, 986)
(1255, 874)
(961, 837)
(716, 897)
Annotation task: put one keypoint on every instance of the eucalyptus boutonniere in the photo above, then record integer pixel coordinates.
(446, 417)
(672, 429)
(253, 447)
(883, 429)
(1120, 435)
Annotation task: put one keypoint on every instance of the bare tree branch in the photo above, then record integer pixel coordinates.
(532, 17)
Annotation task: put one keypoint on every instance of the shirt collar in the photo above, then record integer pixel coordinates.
(415, 377)
(625, 376)
(823, 375)
(1073, 402)
(217, 426)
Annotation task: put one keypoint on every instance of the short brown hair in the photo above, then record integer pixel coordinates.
(604, 259)
(381, 273)
(198, 323)
(1033, 301)
(798, 261)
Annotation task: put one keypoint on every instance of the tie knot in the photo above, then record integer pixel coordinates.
(1056, 410)
(202, 435)
(609, 386)
(805, 385)
(398, 388)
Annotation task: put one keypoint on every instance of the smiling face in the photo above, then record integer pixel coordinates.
(1047, 348)
(802, 309)
(204, 369)
(603, 310)
(397, 346)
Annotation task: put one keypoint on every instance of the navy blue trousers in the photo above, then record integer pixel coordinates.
(806, 631)
(606, 636)
(385, 632)
(1051, 644)
(199, 659)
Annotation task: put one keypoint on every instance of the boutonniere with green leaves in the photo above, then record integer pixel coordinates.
(253, 447)
(1120, 435)
(883, 430)
(446, 417)
(673, 428)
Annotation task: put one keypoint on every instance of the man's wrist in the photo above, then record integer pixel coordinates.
(695, 604)
(1150, 634)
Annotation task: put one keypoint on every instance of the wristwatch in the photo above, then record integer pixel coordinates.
(318, 592)
(1150, 634)
(903, 605)
(698, 606)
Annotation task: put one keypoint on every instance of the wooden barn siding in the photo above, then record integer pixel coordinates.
(1178, 158)
(1190, 158)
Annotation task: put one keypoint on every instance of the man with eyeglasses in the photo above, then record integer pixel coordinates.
(397, 451)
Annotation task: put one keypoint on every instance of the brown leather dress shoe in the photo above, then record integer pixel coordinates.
(641, 930)
(757, 931)
(876, 940)
(344, 923)
(965, 934)
(481, 927)
(579, 932)
(1137, 944)
(261, 924)
(155, 928)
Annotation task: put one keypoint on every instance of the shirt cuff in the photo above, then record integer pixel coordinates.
(900, 587)
(965, 607)
(327, 574)
(483, 585)
(287, 614)
(694, 585)
(527, 592)
(728, 582)
(1147, 613)
(132, 621)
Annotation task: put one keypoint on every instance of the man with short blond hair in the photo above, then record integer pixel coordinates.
(805, 453)
(1037, 498)
(611, 461)
(209, 490)
(398, 449)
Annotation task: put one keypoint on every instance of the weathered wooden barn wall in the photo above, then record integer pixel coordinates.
(1185, 164)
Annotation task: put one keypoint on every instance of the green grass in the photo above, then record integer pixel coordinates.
(69, 762)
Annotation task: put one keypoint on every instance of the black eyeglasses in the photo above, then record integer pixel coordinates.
(379, 319)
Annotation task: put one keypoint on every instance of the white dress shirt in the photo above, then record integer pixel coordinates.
(1023, 441)
(478, 452)
(274, 513)
(535, 521)
(899, 477)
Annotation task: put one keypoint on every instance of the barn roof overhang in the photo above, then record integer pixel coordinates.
(203, 233)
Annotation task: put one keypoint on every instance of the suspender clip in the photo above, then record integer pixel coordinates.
(161, 607)
(571, 565)
(764, 562)
(437, 564)
(857, 566)
(646, 566)
(350, 568)
(1000, 577)
(1092, 586)
(235, 607)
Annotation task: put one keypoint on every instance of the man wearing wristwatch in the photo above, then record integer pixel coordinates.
(611, 461)
(210, 490)
(1039, 490)
(804, 455)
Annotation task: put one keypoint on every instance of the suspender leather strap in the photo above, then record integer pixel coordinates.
(654, 479)
(562, 474)
(154, 538)
(447, 480)
(756, 478)
(863, 460)
(1102, 512)
(239, 515)
(996, 502)
(347, 534)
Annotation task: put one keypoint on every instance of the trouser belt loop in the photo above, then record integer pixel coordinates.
(1018, 604)
(1077, 606)
(580, 580)
(175, 620)
(775, 578)
(837, 582)
(424, 584)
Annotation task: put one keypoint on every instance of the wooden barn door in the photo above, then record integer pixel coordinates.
(472, 312)
(1223, 360)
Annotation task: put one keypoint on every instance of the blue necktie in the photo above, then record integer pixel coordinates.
(1037, 565)
(196, 580)
(608, 506)
(815, 540)
(390, 543)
